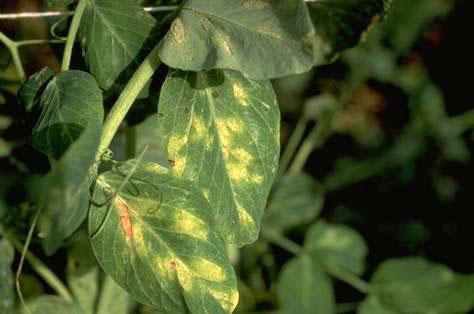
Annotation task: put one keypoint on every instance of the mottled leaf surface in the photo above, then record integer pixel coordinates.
(295, 200)
(415, 285)
(116, 36)
(221, 131)
(342, 23)
(261, 38)
(70, 102)
(337, 246)
(154, 235)
(31, 90)
(7, 294)
(304, 288)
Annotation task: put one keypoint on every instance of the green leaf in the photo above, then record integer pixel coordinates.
(149, 135)
(304, 288)
(341, 23)
(295, 200)
(261, 38)
(49, 304)
(154, 235)
(7, 294)
(221, 131)
(31, 90)
(337, 246)
(372, 305)
(116, 38)
(64, 192)
(414, 285)
(70, 102)
(113, 299)
(52, 3)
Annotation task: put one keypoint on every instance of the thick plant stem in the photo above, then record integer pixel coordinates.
(123, 104)
(71, 36)
(336, 272)
(293, 143)
(13, 48)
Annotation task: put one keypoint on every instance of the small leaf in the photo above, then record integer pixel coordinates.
(7, 294)
(64, 192)
(304, 288)
(372, 305)
(113, 299)
(115, 36)
(221, 131)
(414, 285)
(70, 101)
(337, 246)
(261, 38)
(154, 235)
(341, 23)
(295, 200)
(31, 90)
(49, 304)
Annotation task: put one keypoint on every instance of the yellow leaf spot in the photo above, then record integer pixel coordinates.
(199, 127)
(237, 172)
(179, 165)
(208, 270)
(268, 31)
(184, 276)
(240, 94)
(257, 179)
(189, 224)
(242, 155)
(228, 299)
(165, 267)
(177, 31)
(205, 192)
(244, 216)
(139, 241)
(175, 143)
(255, 4)
(235, 125)
(225, 135)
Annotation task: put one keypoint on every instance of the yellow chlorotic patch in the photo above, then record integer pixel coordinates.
(265, 30)
(184, 276)
(139, 240)
(240, 94)
(177, 31)
(190, 225)
(199, 127)
(205, 192)
(175, 143)
(224, 133)
(223, 42)
(235, 125)
(257, 179)
(164, 266)
(208, 270)
(242, 155)
(179, 165)
(255, 4)
(237, 172)
(244, 216)
(228, 299)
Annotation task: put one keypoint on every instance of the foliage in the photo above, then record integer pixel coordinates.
(197, 221)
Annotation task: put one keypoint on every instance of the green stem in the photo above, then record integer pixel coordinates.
(293, 143)
(315, 139)
(127, 97)
(48, 276)
(71, 36)
(336, 272)
(38, 42)
(13, 48)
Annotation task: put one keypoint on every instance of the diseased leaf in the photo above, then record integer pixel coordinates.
(414, 285)
(70, 102)
(112, 299)
(31, 90)
(295, 200)
(304, 288)
(116, 37)
(49, 304)
(261, 38)
(336, 246)
(64, 192)
(154, 235)
(7, 294)
(221, 131)
(341, 23)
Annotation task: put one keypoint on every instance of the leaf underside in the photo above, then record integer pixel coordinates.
(221, 131)
(158, 241)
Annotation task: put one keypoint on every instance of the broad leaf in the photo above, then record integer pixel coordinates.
(372, 305)
(31, 90)
(154, 235)
(414, 285)
(295, 200)
(221, 131)
(304, 288)
(64, 192)
(337, 246)
(261, 38)
(116, 37)
(341, 23)
(70, 102)
(49, 304)
(112, 299)
(7, 294)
